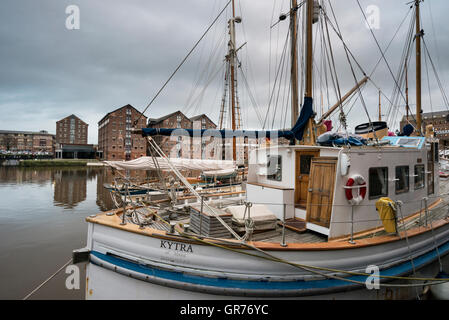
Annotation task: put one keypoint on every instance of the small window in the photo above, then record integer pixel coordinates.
(419, 176)
(402, 179)
(378, 182)
(304, 163)
(274, 168)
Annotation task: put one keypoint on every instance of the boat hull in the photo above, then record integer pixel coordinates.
(127, 265)
(121, 286)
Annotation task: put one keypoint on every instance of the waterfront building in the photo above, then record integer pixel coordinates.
(206, 147)
(25, 142)
(439, 120)
(71, 139)
(71, 130)
(115, 139)
(175, 146)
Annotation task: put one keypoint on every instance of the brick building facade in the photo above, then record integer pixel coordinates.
(27, 141)
(196, 148)
(439, 120)
(176, 146)
(206, 148)
(71, 130)
(115, 140)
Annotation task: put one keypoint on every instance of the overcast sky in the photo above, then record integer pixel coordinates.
(125, 50)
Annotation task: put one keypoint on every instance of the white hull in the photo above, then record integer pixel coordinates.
(124, 287)
(127, 265)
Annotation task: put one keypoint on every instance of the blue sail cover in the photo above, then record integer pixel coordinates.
(296, 132)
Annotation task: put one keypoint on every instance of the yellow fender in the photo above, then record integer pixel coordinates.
(387, 212)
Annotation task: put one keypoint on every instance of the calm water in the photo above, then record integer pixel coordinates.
(42, 219)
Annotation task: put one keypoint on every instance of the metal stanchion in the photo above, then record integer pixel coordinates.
(283, 244)
(351, 241)
(426, 211)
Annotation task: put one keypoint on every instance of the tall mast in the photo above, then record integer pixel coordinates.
(418, 69)
(406, 90)
(232, 60)
(309, 136)
(309, 46)
(294, 62)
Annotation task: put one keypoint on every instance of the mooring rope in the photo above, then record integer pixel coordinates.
(48, 279)
(317, 270)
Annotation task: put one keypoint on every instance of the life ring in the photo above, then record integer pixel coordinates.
(360, 182)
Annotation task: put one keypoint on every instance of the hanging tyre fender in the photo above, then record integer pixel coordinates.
(355, 182)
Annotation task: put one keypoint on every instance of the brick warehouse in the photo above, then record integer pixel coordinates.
(27, 141)
(184, 147)
(115, 140)
(440, 122)
(71, 130)
(71, 139)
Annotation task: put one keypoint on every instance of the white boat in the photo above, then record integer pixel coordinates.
(155, 263)
(356, 220)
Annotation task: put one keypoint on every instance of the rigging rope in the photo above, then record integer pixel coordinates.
(182, 62)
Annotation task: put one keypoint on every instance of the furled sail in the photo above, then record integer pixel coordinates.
(147, 163)
(295, 133)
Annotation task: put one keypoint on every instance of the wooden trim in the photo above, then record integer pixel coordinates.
(317, 162)
(114, 222)
(268, 186)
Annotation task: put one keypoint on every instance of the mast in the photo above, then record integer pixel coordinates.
(406, 90)
(309, 136)
(380, 107)
(294, 62)
(418, 69)
(232, 62)
(309, 47)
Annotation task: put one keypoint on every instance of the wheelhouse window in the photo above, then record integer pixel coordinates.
(419, 176)
(274, 168)
(305, 162)
(378, 182)
(402, 179)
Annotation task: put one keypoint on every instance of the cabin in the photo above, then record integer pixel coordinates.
(310, 183)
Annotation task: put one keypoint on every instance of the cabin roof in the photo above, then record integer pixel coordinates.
(406, 142)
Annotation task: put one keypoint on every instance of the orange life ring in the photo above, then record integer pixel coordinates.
(360, 182)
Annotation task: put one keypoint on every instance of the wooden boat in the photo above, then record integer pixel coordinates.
(356, 220)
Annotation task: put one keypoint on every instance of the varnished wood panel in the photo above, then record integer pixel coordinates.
(321, 191)
(301, 178)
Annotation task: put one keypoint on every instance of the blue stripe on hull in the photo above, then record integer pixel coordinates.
(224, 283)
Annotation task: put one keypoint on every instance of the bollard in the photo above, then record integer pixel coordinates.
(172, 227)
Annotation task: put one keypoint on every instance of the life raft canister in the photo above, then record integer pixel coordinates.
(360, 182)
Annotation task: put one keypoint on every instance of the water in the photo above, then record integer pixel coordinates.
(42, 219)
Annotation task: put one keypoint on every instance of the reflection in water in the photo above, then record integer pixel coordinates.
(104, 200)
(12, 175)
(69, 184)
(70, 187)
(42, 219)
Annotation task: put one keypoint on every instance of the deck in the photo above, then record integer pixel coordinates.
(157, 219)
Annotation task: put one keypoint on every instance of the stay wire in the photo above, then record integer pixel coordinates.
(182, 62)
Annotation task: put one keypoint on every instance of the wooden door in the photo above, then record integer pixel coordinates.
(302, 171)
(321, 191)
